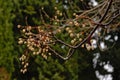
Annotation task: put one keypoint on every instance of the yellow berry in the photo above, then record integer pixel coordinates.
(82, 45)
(70, 23)
(20, 42)
(74, 14)
(60, 14)
(70, 31)
(71, 35)
(49, 53)
(67, 29)
(18, 26)
(58, 30)
(55, 8)
(72, 41)
(80, 39)
(23, 30)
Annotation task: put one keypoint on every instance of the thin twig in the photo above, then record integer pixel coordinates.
(96, 27)
(64, 58)
(112, 19)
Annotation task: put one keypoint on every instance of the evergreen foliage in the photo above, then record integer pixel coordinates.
(7, 52)
(29, 12)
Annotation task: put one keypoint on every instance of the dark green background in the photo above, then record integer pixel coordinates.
(79, 67)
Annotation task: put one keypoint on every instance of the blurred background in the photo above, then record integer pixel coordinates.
(83, 65)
